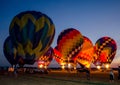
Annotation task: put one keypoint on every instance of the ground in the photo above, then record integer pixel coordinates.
(58, 78)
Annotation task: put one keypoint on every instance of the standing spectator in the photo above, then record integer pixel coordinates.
(111, 76)
(118, 72)
(87, 74)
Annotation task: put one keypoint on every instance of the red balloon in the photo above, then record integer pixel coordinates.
(105, 49)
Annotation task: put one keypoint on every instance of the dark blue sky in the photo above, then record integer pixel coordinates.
(93, 18)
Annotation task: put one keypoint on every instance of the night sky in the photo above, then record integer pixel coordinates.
(93, 18)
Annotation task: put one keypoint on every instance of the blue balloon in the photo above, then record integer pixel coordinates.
(10, 51)
(32, 34)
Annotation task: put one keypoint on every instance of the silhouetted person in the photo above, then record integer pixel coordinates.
(118, 72)
(87, 74)
(111, 74)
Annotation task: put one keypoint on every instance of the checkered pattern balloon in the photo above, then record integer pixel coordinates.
(105, 49)
(69, 44)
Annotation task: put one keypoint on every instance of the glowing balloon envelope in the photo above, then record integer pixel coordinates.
(85, 57)
(105, 49)
(69, 44)
(32, 33)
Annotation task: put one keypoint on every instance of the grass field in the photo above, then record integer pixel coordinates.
(59, 78)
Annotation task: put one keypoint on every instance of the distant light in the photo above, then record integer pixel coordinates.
(40, 66)
(75, 68)
(45, 67)
(69, 65)
(63, 67)
(98, 67)
(107, 66)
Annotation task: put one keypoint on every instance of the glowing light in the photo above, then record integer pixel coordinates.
(74, 68)
(69, 65)
(45, 67)
(98, 67)
(107, 66)
(63, 67)
(40, 66)
(10, 69)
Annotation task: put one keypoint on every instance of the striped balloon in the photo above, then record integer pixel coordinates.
(32, 33)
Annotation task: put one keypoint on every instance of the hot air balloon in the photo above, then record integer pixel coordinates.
(105, 49)
(85, 56)
(10, 52)
(32, 34)
(45, 60)
(69, 44)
